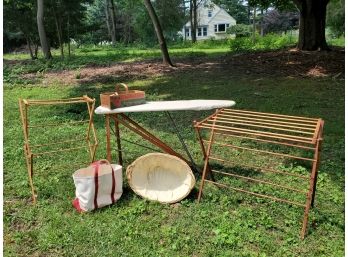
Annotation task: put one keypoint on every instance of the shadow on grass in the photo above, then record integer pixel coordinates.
(284, 95)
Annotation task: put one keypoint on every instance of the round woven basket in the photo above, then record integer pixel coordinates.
(160, 177)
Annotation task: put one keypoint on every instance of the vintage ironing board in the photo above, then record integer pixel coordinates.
(119, 116)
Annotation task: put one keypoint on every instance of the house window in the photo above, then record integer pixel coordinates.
(187, 32)
(210, 13)
(221, 27)
(202, 31)
(199, 32)
(205, 31)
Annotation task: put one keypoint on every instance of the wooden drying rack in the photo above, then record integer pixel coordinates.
(24, 105)
(282, 130)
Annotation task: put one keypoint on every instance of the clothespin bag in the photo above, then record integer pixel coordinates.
(98, 185)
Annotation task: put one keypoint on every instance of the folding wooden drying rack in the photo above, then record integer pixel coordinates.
(290, 132)
(24, 105)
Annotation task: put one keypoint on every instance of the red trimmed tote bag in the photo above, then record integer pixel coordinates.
(98, 185)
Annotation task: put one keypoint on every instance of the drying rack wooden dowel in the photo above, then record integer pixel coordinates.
(259, 168)
(266, 141)
(58, 124)
(287, 131)
(258, 180)
(263, 152)
(63, 145)
(267, 121)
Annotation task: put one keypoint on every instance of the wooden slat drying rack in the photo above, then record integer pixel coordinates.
(90, 137)
(263, 128)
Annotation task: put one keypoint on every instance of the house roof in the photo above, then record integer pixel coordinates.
(202, 13)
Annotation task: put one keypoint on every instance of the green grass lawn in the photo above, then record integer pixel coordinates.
(225, 223)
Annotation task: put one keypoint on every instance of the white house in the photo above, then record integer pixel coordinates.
(212, 22)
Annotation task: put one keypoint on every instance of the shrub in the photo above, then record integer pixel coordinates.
(268, 42)
(240, 30)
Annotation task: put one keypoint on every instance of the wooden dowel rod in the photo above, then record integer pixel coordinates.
(58, 151)
(259, 168)
(58, 124)
(262, 126)
(261, 132)
(266, 122)
(259, 180)
(265, 152)
(60, 142)
(266, 141)
(236, 114)
(52, 100)
(256, 194)
(56, 103)
(257, 134)
(272, 114)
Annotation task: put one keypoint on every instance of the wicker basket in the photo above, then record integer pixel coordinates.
(122, 98)
(160, 177)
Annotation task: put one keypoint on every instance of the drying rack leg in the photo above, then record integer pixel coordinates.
(29, 160)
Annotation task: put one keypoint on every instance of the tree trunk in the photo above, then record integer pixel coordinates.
(159, 33)
(68, 31)
(30, 50)
(113, 20)
(312, 24)
(249, 14)
(36, 50)
(59, 32)
(42, 33)
(254, 25)
(107, 18)
(261, 24)
(193, 18)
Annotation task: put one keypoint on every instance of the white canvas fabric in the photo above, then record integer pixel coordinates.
(160, 177)
(86, 184)
(180, 105)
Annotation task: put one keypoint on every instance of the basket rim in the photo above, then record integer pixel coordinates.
(189, 171)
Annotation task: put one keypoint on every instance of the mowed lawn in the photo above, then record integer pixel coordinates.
(224, 223)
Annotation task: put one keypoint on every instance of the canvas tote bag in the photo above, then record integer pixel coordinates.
(98, 185)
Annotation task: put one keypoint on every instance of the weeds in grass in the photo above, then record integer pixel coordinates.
(224, 223)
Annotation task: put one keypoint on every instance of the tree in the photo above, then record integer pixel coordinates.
(159, 33)
(111, 9)
(312, 24)
(20, 25)
(335, 17)
(277, 22)
(236, 8)
(41, 28)
(312, 21)
(171, 16)
(193, 19)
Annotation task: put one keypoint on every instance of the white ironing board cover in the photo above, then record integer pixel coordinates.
(179, 105)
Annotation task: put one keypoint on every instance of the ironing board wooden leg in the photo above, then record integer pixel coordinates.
(118, 139)
(108, 144)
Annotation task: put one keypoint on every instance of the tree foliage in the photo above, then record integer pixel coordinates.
(335, 17)
(236, 8)
(276, 21)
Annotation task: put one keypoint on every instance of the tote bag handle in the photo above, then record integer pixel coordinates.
(96, 166)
